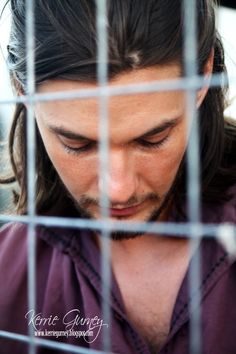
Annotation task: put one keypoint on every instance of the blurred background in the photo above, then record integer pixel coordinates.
(226, 18)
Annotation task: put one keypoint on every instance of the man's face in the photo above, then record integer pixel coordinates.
(147, 137)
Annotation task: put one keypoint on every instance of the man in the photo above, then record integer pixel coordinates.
(148, 136)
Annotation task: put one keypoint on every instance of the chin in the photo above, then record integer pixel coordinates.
(124, 235)
(157, 213)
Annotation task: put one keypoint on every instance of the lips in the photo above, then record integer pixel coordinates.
(125, 211)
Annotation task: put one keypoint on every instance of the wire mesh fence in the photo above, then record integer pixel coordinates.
(193, 228)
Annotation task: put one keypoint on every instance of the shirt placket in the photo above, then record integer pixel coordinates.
(210, 276)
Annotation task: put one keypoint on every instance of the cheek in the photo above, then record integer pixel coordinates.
(78, 174)
(162, 166)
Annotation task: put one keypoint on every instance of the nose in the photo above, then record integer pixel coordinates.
(122, 181)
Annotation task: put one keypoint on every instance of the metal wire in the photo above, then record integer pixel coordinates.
(129, 89)
(30, 45)
(166, 228)
(193, 173)
(102, 70)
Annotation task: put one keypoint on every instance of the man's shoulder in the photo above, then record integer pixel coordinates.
(62, 240)
(14, 243)
(12, 234)
(12, 228)
(13, 259)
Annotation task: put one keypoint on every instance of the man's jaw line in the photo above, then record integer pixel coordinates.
(156, 214)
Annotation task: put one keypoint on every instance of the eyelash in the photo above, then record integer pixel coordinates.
(88, 147)
(77, 151)
(148, 145)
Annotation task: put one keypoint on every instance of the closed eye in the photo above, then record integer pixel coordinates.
(84, 145)
(153, 145)
(76, 147)
(156, 140)
(87, 147)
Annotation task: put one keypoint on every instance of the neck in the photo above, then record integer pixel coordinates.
(147, 248)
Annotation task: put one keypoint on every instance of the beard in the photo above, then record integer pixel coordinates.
(162, 204)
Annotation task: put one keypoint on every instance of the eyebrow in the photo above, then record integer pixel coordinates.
(75, 136)
(160, 128)
(68, 134)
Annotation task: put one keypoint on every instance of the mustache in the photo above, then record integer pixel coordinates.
(86, 201)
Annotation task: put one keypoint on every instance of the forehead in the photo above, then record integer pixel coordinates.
(135, 111)
(135, 76)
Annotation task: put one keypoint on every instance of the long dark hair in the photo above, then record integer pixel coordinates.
(140, 34)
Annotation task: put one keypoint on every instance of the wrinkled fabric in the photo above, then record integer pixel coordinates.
(69, 284)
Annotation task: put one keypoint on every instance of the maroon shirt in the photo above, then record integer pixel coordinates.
(69, 283)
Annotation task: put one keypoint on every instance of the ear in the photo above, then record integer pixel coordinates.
(16, 85)
(201, 94)
(19, 91)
